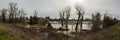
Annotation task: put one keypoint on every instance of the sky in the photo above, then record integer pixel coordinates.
(52, 7)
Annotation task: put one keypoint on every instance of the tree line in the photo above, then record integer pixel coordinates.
(15, 15)
(12, 14)
(97, 21)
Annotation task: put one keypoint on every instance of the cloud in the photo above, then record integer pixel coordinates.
(52, 7)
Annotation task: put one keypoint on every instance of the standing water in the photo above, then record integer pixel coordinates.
(71, 27)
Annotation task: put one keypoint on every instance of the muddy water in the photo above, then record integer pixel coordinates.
(71, 27)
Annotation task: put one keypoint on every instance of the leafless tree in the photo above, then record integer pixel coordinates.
(12, 11)
(21, 15)
(35, 18)
(67, 11)
(61, 18)
(96, 20)
(4, 12)
(65, 14)
(35, 13)
(80, 13)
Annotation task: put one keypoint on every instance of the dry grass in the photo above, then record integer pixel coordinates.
(111, 33)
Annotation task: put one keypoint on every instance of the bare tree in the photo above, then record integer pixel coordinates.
(35, 13)
(67, 15)
(109, 21)
(61, 18)
(64, 15)
(67, 11)
(13, 10)
(21, 15)
(81, 22)
(4, 12)
(35, 16)
(96, 20)
(80, 13)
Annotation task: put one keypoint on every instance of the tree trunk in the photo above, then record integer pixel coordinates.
(81, 23)
(62, 22)
(77, 23)
(67, 23)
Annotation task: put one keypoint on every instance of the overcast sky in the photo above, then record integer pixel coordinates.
(52, 7)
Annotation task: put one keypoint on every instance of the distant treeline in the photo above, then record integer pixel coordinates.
(15, 15)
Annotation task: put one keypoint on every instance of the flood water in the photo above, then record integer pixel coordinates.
(71, 26)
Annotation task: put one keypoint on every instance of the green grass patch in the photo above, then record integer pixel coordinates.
(2, 27)
(7, 34)
(9, 37)
(112, 34)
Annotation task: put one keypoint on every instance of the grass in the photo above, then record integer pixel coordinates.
(6, 34)
(9, 37)
(12, 32)
(112, 33)
(2, 27)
